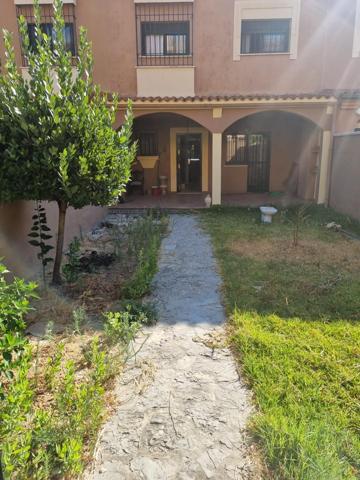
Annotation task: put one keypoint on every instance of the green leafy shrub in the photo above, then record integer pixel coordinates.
(120, 328)
(71, 269)
(142, 313)
(144, 243)
(53, 366)
(14, 304)
(140, 282)
(15, 408)
(49, 441)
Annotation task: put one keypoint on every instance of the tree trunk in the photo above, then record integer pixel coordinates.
(56, 280)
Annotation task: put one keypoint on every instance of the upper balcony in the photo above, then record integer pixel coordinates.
(164, 46)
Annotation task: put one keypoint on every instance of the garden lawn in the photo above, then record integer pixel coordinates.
(295, 329)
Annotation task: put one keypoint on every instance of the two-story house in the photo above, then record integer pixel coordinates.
(230, 96)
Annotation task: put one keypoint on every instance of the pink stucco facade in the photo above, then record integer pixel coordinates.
(324, 53)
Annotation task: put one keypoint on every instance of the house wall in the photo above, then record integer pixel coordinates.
(15, 224)
(324, 57)
(345, 175)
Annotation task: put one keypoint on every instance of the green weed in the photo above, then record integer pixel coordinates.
(144, 239)
(15, 299)
(120, 328)
(79, 320)
(72, 268)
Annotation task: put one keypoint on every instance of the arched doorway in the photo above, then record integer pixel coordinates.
(172, 150)
(271, 151)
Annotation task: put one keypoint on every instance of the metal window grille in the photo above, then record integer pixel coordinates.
(46, 20)
(164, 34)
(148, 144)
(236, 149)
(252, 150)
(265, 36)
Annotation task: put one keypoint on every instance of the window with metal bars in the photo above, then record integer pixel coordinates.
(265, 36)
(148, 144)
(253, 150)
(236, 146)
(240, 147)
(164, 34)
(46, 25)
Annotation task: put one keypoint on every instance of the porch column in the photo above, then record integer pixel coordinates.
(216, 168)
(324, 167)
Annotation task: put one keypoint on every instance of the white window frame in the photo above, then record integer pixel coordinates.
(267, 10)
(356, 42)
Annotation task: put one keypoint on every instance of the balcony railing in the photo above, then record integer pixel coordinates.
(164, 34)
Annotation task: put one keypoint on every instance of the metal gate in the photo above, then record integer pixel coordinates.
(258, 160)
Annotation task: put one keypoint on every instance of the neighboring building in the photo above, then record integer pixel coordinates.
(230, 96)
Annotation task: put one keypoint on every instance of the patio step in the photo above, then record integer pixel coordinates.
(137, 211)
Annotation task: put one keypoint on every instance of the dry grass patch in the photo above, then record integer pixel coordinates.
(343, 252)
(51, 306)
(97, 291)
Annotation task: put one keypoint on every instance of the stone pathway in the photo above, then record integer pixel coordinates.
(182, 407)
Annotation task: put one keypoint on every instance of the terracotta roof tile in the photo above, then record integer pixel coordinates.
(225, 98)
(326, 94)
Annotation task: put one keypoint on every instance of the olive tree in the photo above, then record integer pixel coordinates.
(57, 141)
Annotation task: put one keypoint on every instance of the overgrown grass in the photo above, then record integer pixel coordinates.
(54, 395)
(50, 417)
(144, 244)
(295, 329)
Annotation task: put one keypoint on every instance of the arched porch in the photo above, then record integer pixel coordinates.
(174, 154)
(272, 152)
(294, 137)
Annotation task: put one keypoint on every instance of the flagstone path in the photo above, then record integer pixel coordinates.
(182, 407)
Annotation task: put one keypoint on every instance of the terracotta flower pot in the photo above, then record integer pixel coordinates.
(156, 191)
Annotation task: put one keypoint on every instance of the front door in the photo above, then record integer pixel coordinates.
(188, 159)
(258, 151)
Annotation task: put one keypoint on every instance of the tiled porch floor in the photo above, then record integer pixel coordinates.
(181, 201)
